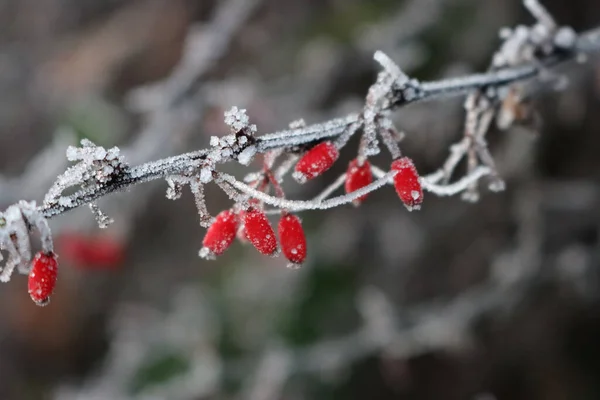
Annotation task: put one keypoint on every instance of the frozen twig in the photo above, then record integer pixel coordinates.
(525, 53)
(313, 133)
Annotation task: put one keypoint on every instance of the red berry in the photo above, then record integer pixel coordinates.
(42, 277)
(220, 234)
(259, 231)
(406, 182)
(316, 161)
(88, 252)
(291, 236)
(357, 177)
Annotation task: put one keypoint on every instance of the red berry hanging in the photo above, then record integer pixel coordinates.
(241, 230)
(357, 177)
(259, 231)
(316, 161)
(406, 182)
(42, 277)
(220, 234)
(292, 239)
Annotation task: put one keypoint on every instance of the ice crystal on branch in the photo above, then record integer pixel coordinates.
(95, 168)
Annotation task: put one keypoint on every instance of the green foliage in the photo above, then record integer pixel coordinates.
(344, 23)
(328, 291)
(160, 368)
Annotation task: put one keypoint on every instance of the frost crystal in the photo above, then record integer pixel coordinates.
(565, 38)
(299, 123)
(205, 175)
(236, 119)
(95, 166)
(245, 157)
(206, 254)
(175, 189)
(497, 185)
(103, 220)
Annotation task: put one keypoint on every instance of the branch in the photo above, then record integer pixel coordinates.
(525, 53)
(587, 43)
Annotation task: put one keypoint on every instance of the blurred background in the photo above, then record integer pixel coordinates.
(493, 300)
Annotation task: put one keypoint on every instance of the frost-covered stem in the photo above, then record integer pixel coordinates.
(455, 187)
(587, 42)
(430, 182)
(301, 205)
(198, 192)
(331, 188)
(177, 165)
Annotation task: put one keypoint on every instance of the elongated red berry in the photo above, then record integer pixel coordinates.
(220, 234)
(406, 182)
(42, 277)
(316, 161)
(91, 252)
(357, 177)
(292, 239)
(259, 231)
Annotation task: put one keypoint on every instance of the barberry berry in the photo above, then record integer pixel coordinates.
(259, 231)
(42, 277)
(357, 177)
(316, 161)
(220, 234)
(97, 252)
(292, 239)
(241, 231)
(406, 182)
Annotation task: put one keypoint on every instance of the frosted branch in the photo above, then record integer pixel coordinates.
(303, 205)
(525, 53)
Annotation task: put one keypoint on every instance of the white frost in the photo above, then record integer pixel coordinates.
(246, 156)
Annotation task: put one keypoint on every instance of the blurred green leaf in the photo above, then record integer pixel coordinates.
(97, 120)
(345, 22)
(328, 290)
(159, 369)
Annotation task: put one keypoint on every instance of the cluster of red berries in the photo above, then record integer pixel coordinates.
(250, 224)
(254, 226)
(42, 277)
(322, 157)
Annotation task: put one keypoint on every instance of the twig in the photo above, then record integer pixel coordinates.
(525, 53)
(588, 42)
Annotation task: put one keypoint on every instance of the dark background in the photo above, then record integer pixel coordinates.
(493, 300)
